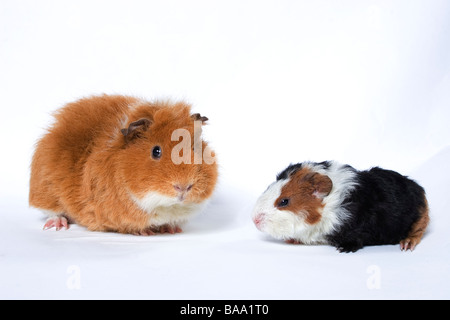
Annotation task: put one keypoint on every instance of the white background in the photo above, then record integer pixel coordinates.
(362, 82)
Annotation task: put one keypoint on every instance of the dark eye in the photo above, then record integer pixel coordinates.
(283, 202)
(156, 153)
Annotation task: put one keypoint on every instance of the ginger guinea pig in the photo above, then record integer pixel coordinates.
(122, 164)
(335, 204)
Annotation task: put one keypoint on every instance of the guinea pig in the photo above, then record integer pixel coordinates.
(116, 163)
(335, 204)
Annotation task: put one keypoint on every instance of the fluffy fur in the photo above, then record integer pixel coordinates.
(335, 204)
(95, 166)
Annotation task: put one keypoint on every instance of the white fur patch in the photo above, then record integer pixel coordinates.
(286, 225)
(344, 182)
(166, 210)
(279, 224)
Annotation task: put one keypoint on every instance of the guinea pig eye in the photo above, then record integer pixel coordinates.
(283, 203)
(156, 153)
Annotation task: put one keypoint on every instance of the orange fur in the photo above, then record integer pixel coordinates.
(417, 231)
(84, 167)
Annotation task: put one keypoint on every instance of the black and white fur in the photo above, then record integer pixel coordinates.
(364, 208)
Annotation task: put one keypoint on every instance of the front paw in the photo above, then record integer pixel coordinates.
(168, 228)
(154, 230)
(293, 241)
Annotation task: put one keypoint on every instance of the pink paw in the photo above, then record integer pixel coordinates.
(167, 228)
(58, 222)
(409, 244)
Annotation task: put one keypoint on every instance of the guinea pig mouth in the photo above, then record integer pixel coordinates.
(258, 220)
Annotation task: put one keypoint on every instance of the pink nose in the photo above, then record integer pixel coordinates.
(259, 220)
(182, 188)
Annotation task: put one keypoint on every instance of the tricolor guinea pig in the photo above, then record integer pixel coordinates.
(335, 204)
(122, 164)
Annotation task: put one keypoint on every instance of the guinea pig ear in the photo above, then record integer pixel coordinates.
(135, 129)
(322, 184)
(198, 117)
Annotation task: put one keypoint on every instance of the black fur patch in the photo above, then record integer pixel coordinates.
(382, 209)
(292, 168)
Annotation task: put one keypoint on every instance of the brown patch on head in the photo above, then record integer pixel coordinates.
(303, 194)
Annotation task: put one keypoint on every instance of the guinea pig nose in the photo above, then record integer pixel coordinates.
(259, 220)
(182, 188)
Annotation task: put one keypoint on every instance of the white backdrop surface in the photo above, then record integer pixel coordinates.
(362, 82)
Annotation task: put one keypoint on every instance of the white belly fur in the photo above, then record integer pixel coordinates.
(166, 210)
